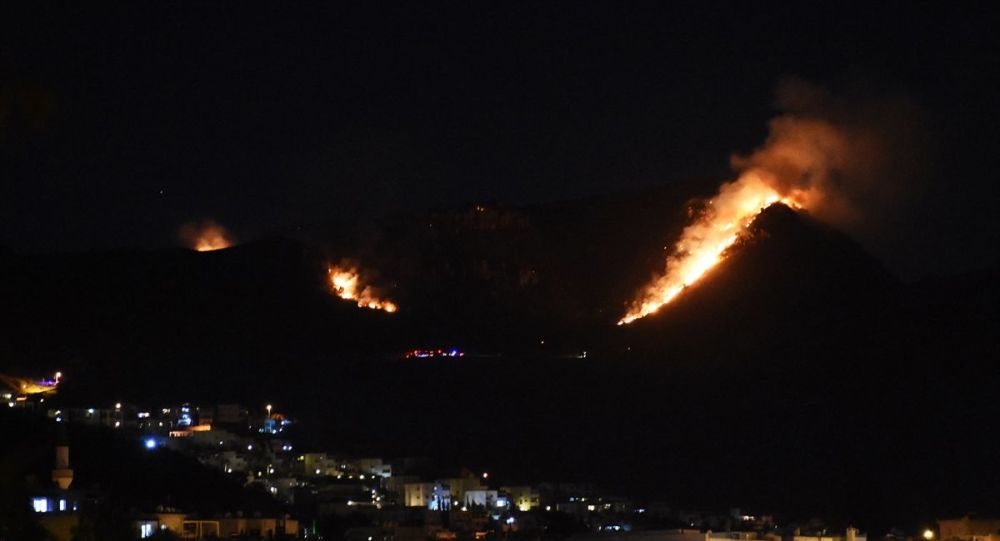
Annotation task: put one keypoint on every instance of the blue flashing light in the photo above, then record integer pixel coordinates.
(150, 443)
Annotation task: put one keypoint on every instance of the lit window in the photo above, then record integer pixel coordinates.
(146, 529)
(62, 505)
(41, 505)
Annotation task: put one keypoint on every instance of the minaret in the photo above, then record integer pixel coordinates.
(62, 475)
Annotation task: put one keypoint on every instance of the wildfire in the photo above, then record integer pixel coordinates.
(703, 244)
(206, 237)
(345, 281)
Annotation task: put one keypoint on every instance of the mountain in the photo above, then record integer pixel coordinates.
(798, 375)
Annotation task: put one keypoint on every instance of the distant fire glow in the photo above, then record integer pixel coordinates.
(206, 236)
(704, 243)
(346, 283)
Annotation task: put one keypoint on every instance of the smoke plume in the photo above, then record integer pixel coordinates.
(205, 236)
(855, 161)
(840, 160)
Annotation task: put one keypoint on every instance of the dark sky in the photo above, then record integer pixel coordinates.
(118, 124)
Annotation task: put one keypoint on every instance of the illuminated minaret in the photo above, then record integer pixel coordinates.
(62, 475)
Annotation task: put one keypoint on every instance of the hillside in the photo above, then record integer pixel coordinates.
(799, 349)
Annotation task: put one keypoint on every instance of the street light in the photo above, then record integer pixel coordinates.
(268, 407)
(928, 534)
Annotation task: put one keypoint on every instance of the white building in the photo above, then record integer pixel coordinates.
(433, 496)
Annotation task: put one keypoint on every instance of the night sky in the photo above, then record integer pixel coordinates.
(119, 124)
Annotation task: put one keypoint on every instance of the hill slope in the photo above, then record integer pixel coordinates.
(798, 375)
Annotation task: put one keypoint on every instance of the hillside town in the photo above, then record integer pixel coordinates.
(324, 494)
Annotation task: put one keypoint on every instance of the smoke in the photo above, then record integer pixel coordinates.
(205, 236)
(841, 160)
(857, 161)
(347, 282)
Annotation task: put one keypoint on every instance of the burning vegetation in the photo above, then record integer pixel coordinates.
(704, 243)
(819, 155)
(206, 236)
(346, 282)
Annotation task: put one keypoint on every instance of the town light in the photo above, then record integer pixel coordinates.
(928, 534)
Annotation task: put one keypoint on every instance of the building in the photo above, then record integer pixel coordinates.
(58, 508)
(851, 534)
(458, 486)
(194, 527)
(969, 528)
(524, 498)
(433, 496)
(370, 466)
(481, 498)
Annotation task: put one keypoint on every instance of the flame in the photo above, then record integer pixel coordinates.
(345, 281)
(206, 237)
(703, 244)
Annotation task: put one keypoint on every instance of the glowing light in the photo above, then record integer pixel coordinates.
(26, 386)
(704, 242)
(206, 236)
(150, 443)
(928, 534)
(346, 283)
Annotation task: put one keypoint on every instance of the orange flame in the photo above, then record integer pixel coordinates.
(703, 244)
(206, 237)
(345, 281)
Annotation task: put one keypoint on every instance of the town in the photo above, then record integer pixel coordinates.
(324, 494)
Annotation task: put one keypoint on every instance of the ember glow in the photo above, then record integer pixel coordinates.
(704, 243)
(346, 283)
(206, 236)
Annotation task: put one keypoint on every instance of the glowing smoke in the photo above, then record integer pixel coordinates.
(817, 157)
(346, 282)
(206, 236)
